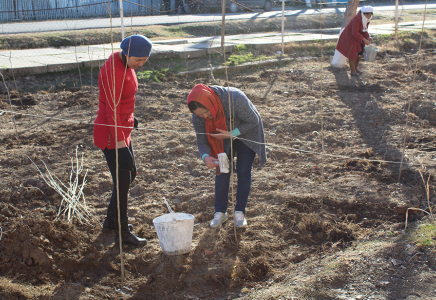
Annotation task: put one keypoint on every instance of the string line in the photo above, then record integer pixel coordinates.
(242, 139)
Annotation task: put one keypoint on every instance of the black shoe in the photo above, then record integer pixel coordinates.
(130, 238)
(110, 224)
(127, 236)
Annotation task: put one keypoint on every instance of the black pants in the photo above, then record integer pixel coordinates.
(125, 178)
(363, 49)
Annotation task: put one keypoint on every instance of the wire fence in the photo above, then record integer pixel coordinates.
(193, 44)
(203, 42)
(77, 48)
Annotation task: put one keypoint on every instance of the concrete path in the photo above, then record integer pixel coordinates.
(45, 60)
(62, 25)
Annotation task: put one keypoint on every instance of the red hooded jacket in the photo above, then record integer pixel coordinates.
(126, 86)
(350, 39)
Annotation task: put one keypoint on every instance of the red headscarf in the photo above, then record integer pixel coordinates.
(208, 98)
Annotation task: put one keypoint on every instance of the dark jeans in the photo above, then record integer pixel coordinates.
(244, 164)
(125, 178)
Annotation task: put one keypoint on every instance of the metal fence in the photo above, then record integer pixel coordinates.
(34, 10)
(37, 10)
(17, 10)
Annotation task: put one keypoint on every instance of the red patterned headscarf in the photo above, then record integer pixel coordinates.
(208, 98)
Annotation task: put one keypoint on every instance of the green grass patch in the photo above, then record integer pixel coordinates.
(405, 36)
(236, 59)
(421, 12)
(153, 75)
(425, 235)
(240, 48)
(311, 49)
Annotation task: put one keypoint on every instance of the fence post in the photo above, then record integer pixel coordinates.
(122, 20)
(283, 27)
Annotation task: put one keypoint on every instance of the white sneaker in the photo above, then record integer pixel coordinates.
(240, 220)
(218, 219)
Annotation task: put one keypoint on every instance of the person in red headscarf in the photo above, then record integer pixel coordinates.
(355, 37)
(218, 114)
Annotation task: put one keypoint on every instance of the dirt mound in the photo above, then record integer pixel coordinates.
(304, 208)
(40, 249)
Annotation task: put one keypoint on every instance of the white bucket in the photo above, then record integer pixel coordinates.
(370, 53)
(174, 231)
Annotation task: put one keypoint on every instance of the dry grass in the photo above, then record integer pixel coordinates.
(14, 290)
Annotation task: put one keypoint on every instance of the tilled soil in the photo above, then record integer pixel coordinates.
(326, 213)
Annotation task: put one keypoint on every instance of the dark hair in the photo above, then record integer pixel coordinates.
(124, 58)
(193, 105)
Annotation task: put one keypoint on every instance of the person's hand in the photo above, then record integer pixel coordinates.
(121, 144)
(135, 122)
(221, 135)
(370, 40)
(211, 162)
(125, 159)
(366, 42)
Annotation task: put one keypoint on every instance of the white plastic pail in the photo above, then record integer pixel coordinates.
(370, 53)
(174, 231)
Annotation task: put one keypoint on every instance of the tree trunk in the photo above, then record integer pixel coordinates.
(350, 12)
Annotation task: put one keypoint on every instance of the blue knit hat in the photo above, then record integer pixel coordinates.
(140, 46)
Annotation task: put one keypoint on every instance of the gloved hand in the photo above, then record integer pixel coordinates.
(125, 159)
(135, 122)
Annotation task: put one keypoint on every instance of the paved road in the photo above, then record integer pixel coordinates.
(65, 25)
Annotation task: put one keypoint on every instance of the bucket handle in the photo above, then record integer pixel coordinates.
(168, 205)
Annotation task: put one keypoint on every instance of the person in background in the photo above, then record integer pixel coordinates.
(179, 4)
(193, 6)
(355, 37)
(117, 85)
(211, 118)
(167, 5)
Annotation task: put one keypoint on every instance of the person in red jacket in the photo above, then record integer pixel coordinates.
(355, 37)
(117, 85)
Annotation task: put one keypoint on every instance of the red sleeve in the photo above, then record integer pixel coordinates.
(356, 29)
(111, 97)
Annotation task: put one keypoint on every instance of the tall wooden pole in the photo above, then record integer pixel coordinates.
(122, 19)
(396, 18)
(223, 30)
(283, 27)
